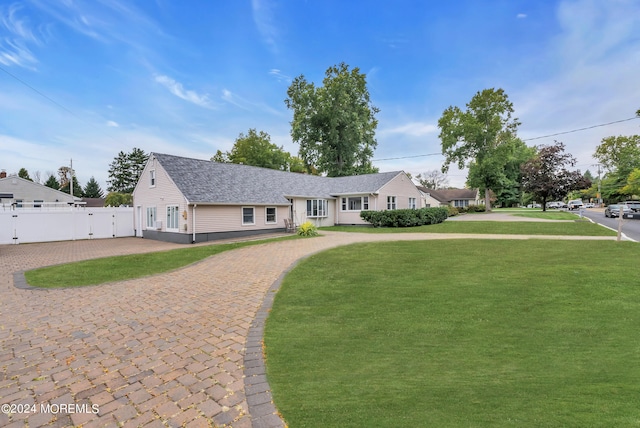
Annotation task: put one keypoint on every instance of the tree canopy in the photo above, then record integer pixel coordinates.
(334, 124)
(125, 170)
(23, 173)
(52, 182)
(482, 137)
(434, 179)
(547, 177)
(92, 189)
(255, 149)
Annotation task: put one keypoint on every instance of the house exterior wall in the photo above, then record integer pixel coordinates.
(161, 194)
(402, 188)
(430, 201)
(300, 216)
(28, 192)
(226, 218)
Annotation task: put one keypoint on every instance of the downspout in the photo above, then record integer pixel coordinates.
(193, 241)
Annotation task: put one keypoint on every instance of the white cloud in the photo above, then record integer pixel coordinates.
(263, 17)
(112, 124)
(521, 15)
(280, 77)
(14, 48)
(413, 129)
(178, 90)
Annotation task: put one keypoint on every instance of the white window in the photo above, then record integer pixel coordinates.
(412, 203)
(270, 215)
(172, 217)
(151, 217)
(248, 215)
(18, 203)
(37, 203)
(152, 178)
(355, 203)
(316, 207)
(391, 203)
(461, 203)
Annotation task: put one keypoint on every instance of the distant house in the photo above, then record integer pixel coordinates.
(184, 200)
(22, 193)
(451, 197)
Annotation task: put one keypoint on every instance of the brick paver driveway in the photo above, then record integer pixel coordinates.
(167, 350)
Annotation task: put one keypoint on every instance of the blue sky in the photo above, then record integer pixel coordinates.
(85, 79)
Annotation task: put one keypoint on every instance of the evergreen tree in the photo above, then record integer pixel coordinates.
(125, 170)
(92, 189)
(23, 173)
(52, 182)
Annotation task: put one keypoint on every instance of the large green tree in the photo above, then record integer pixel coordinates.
(23, 173)
(620, 156)
(334, 124)
(77, 189)
(480, 138)
(547, 175)
(125, 170)
(92, 189)
(502, 172)
(52, 182)
(255, 149)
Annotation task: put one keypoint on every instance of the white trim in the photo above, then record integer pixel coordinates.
(253, 216)
(171, 219)
(266, 215)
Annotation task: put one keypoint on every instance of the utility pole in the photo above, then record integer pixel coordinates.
(71, 180)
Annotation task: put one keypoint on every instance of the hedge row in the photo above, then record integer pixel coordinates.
(405, 217)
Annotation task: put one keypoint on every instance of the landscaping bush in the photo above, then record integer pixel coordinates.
(405, 217)
(452, 211)
(476, 208)
(308, 229)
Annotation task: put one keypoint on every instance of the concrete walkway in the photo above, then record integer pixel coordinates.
(176, 349)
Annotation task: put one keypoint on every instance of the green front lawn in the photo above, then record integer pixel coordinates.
(476, 333)
(582, 228)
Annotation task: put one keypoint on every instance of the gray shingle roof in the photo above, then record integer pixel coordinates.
(448, 195)
(203, 181)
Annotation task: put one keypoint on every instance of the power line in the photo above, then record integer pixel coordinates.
(526, 139)
(582, 129)
(57, 104)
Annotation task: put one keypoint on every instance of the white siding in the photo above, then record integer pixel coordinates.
(163, 194)
(228, 218)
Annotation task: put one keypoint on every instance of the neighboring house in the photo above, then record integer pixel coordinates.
(184, 200)
(452, 197)
(92, 202)
(23, 193)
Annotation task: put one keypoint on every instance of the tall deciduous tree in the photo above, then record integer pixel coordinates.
(434, 179)
(335, 123)
(255, 149)
(92, 189)
(478, 138)
(125, 170)
(547, 177)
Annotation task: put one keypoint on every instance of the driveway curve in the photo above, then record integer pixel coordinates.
(176, 349)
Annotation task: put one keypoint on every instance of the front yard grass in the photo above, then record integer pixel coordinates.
(120, 268)
(577, 228)
(459, 333)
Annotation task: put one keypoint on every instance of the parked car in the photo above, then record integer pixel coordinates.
(575, 204)
(556, 205)
(633, 205)
(534, 206)
(589, 205)
(614, 210)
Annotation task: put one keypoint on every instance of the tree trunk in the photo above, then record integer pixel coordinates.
(487, 200)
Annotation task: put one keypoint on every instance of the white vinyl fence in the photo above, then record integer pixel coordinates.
(23, 225)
